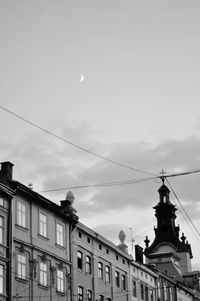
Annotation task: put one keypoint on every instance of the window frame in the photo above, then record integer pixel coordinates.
(80, 293)
(123, 278)
(80, 260)
(107, 274)
(21, 214)
(21, 266)
(100, 270)
(117, 279)
(43, 227)
(43, 274)
(60, 281)
(2, 230)
(88, 264)
(134, 288)
(60, 236)
(2, 279)
(89, 295)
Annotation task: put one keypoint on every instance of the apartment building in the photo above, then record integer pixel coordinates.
(38, 238)
(101, 269)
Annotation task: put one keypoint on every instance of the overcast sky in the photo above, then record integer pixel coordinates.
(139, 104)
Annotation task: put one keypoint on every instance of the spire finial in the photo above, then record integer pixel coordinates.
(162, 176)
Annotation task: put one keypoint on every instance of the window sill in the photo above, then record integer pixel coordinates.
(24, 280)
(60, 247)
(60, 293)
(43, 237)
(43, 286)
(21, 227)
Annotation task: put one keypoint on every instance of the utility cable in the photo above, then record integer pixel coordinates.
(184, 210)
(108, 184)
(73, 144)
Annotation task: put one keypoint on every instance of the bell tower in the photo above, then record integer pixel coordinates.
(167, 239)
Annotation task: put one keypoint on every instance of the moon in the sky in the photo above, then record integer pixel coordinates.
(82, 78)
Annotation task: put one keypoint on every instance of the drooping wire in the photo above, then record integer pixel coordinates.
(183, 209)
(75, 145)
(108, 184)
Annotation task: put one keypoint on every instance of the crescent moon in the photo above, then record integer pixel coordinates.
(82, 78)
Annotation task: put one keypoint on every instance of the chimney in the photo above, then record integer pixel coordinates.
(138, 254)
(6, 171)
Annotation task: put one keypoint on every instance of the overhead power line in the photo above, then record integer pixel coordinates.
(108, 184)
(75, 145)
(186, 214)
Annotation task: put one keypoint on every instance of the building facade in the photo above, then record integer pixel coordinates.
(38, 240)
(46, 254)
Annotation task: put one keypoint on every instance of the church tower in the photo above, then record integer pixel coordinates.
(167, 243)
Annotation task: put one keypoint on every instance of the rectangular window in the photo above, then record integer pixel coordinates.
(21, 214)
(142, 291)
(80, 260)
(124, 282)
(43, 273)
(80, 293)
(146, 294)
(107, 274)
(134, 288)
(1, 279)
(100, 270)
(1, 230)
(43, 224)
(21, 266)
(165, 292)
(59, 234)
(60, 281)
(89, 295)
(117, 278)
(88, 265)
(151, 294)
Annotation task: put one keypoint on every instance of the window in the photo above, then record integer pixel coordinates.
(21, 214)
(159, 289)
(151, 294)
(123, 260)
(80, 293)
(43, 273)
(107, 251)
(21, 266)
(1, 230)
(1, 279)
(100, 246)
(107, 274)
(1, 202)
(79, 234)
(124, 282)
(142, 291)
(80, 260)
(59, 234)
(89, 295)
(146, 294)
(165, 292)
(88, 240)
(43, 224)
(117, 278)
(60, 281)
(134, 288)
(100, 270)
(101, 297)
(88, 265)
(117, 257)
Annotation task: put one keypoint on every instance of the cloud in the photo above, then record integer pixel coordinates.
(50, 164)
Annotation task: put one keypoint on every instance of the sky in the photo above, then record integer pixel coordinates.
(138, 105)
